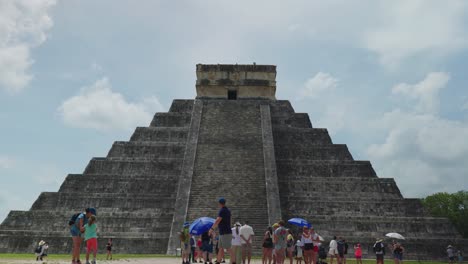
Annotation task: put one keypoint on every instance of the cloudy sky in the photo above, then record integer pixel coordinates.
(387, 78)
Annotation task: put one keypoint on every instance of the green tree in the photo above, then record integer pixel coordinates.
(451, 205)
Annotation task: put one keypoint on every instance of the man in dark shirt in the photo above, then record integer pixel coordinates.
(225, 233)
(379, 250)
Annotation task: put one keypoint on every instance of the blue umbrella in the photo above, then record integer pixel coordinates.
(201, 225)
(299, 222)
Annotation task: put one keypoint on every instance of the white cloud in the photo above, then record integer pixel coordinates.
(98, 107)
(6, 162)
(409, 28)
(318, 84)
(426, 92)
(393, 30)
(23, 25)
(423, 151)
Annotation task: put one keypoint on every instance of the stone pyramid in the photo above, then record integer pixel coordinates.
(237, 141)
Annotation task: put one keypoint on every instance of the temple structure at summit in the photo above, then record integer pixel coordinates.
(238, 141)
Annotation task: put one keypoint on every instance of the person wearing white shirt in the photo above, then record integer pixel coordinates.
(236, 243)
(333, 250)
(246, 234)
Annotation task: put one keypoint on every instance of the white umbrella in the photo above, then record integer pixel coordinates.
(395, 235)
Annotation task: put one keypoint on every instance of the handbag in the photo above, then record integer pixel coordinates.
(268, 243)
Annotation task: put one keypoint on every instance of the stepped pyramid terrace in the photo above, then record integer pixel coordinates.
(235, 140)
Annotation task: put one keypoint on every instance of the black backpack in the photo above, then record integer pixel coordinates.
(73, 219)
(38, 249)
(378, 247)
(341, 247)
(322, 252)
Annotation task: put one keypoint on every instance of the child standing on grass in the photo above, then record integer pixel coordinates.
(298, 252)
(109, 249)
(358, 253)
(91, 239)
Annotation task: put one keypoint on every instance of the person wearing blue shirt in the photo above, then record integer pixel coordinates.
(223, 222)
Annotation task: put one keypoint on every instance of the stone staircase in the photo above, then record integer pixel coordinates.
(230, 164)
(133, 189)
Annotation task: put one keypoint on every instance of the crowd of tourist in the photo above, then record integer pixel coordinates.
(210, 246)
(279, 245)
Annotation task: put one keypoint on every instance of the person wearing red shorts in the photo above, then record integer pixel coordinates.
(91, 239)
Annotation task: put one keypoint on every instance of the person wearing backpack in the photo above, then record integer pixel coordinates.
(77, 223)
(379, 250)
(346, 246)
(341, 250)
(41, 250)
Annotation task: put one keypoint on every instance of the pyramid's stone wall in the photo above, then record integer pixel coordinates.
(266, 160)
(134, 190)
(320, 181)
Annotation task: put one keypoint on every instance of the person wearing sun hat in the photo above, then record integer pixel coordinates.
(379, 250)
(275, 226)
(41, 250)
(450, 254)
(279, 238)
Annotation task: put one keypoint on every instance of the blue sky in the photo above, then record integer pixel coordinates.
(387, 78)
